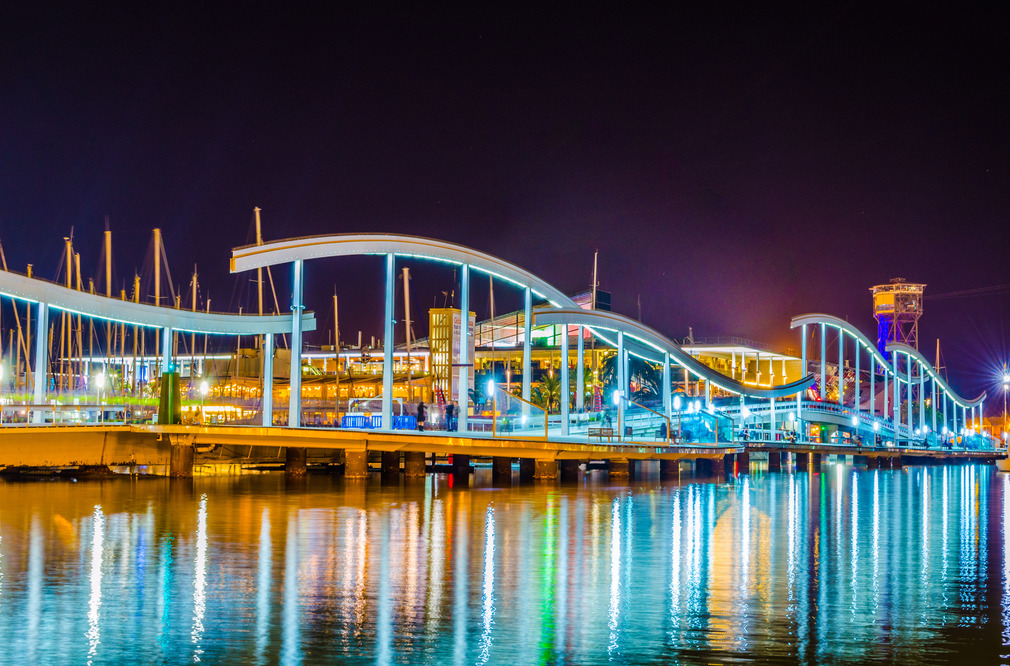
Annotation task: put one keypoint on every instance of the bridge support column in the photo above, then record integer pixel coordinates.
(815, 462)
(580, 370)
(774, 461)
(729, 462)
(390, 465)
(527, 469)
(569, 470)
(669, 469)
(465, 362)
(565, 392)
(802, 461)
(896, 462)
(180, 464)
(619, 468)
(356, 466)
(743, 462)
(546, 470)
(709, 466)
(295, 396)
(41, 376)
(872, 462)
(268, 380)
(413, 464)
(461, 467)
(501, 471)
(295, 461)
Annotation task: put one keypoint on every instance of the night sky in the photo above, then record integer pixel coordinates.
(734, 164)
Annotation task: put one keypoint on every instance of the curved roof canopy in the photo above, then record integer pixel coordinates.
(656, 342)
(142, 314)
(339, 245)
(914, 353)
(820, 318)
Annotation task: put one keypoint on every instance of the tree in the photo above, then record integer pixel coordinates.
(643, 377)
(547, 394)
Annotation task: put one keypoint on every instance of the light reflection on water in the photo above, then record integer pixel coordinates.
(847, 565)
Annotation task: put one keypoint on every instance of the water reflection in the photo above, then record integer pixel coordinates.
(848, 565)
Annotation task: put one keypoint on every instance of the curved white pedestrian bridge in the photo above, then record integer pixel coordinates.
(898, 406)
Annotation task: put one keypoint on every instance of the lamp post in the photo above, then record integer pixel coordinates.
(1, 385)
(494, 406)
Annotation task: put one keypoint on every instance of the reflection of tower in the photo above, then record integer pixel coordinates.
(897, 307)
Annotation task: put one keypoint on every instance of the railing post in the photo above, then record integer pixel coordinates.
(295, 394)
(873, 385)
(268, 379)
(41, 361)
(564, 381)
(464, 347)
(387, 346)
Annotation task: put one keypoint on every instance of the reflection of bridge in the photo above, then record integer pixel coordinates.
(772, 415)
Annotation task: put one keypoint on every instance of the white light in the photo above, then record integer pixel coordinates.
(490, 387)
(617, 397)
(1006, 378)
(926, 429)
(676, 402)
(918, 431)
(697, 406)
(944, 431)
(100, 380)
(204, 388)
(855, 420)
(744, 412)
(792, 416)
(876, 427)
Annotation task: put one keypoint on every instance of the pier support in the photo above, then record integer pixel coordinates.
(774, 461)
(569, 470)
(527, 470)
(872, 462)
(743, 463)
(669, 469)
(295, 461)
(501, 471)
(896, 462)
(709, 466)
(815, 462)
(546, 470)
(356, 466)
(619, 468)
(461, 467)
(181, 461)
(390, 466)
(413, 464)
(802, 461)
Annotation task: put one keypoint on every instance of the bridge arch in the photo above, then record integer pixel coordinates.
(47, 295)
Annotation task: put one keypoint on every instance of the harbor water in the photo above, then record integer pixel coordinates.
(843, 565)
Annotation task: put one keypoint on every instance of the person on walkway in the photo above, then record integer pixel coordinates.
(450, 412)
(422, 414)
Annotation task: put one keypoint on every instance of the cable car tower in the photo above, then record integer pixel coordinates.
(897, 307)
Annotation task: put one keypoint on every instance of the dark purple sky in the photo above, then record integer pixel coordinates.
(734, 164)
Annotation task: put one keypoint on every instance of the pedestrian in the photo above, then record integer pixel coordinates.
(450, 409)
(422, 414)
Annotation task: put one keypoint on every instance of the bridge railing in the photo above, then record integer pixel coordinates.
(511, 415)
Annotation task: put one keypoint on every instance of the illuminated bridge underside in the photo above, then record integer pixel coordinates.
(141, 314)
(648, 342)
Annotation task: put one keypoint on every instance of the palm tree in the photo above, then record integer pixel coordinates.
(644, 376)
(548, 393)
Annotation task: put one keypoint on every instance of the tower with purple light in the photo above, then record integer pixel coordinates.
(897, 307)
